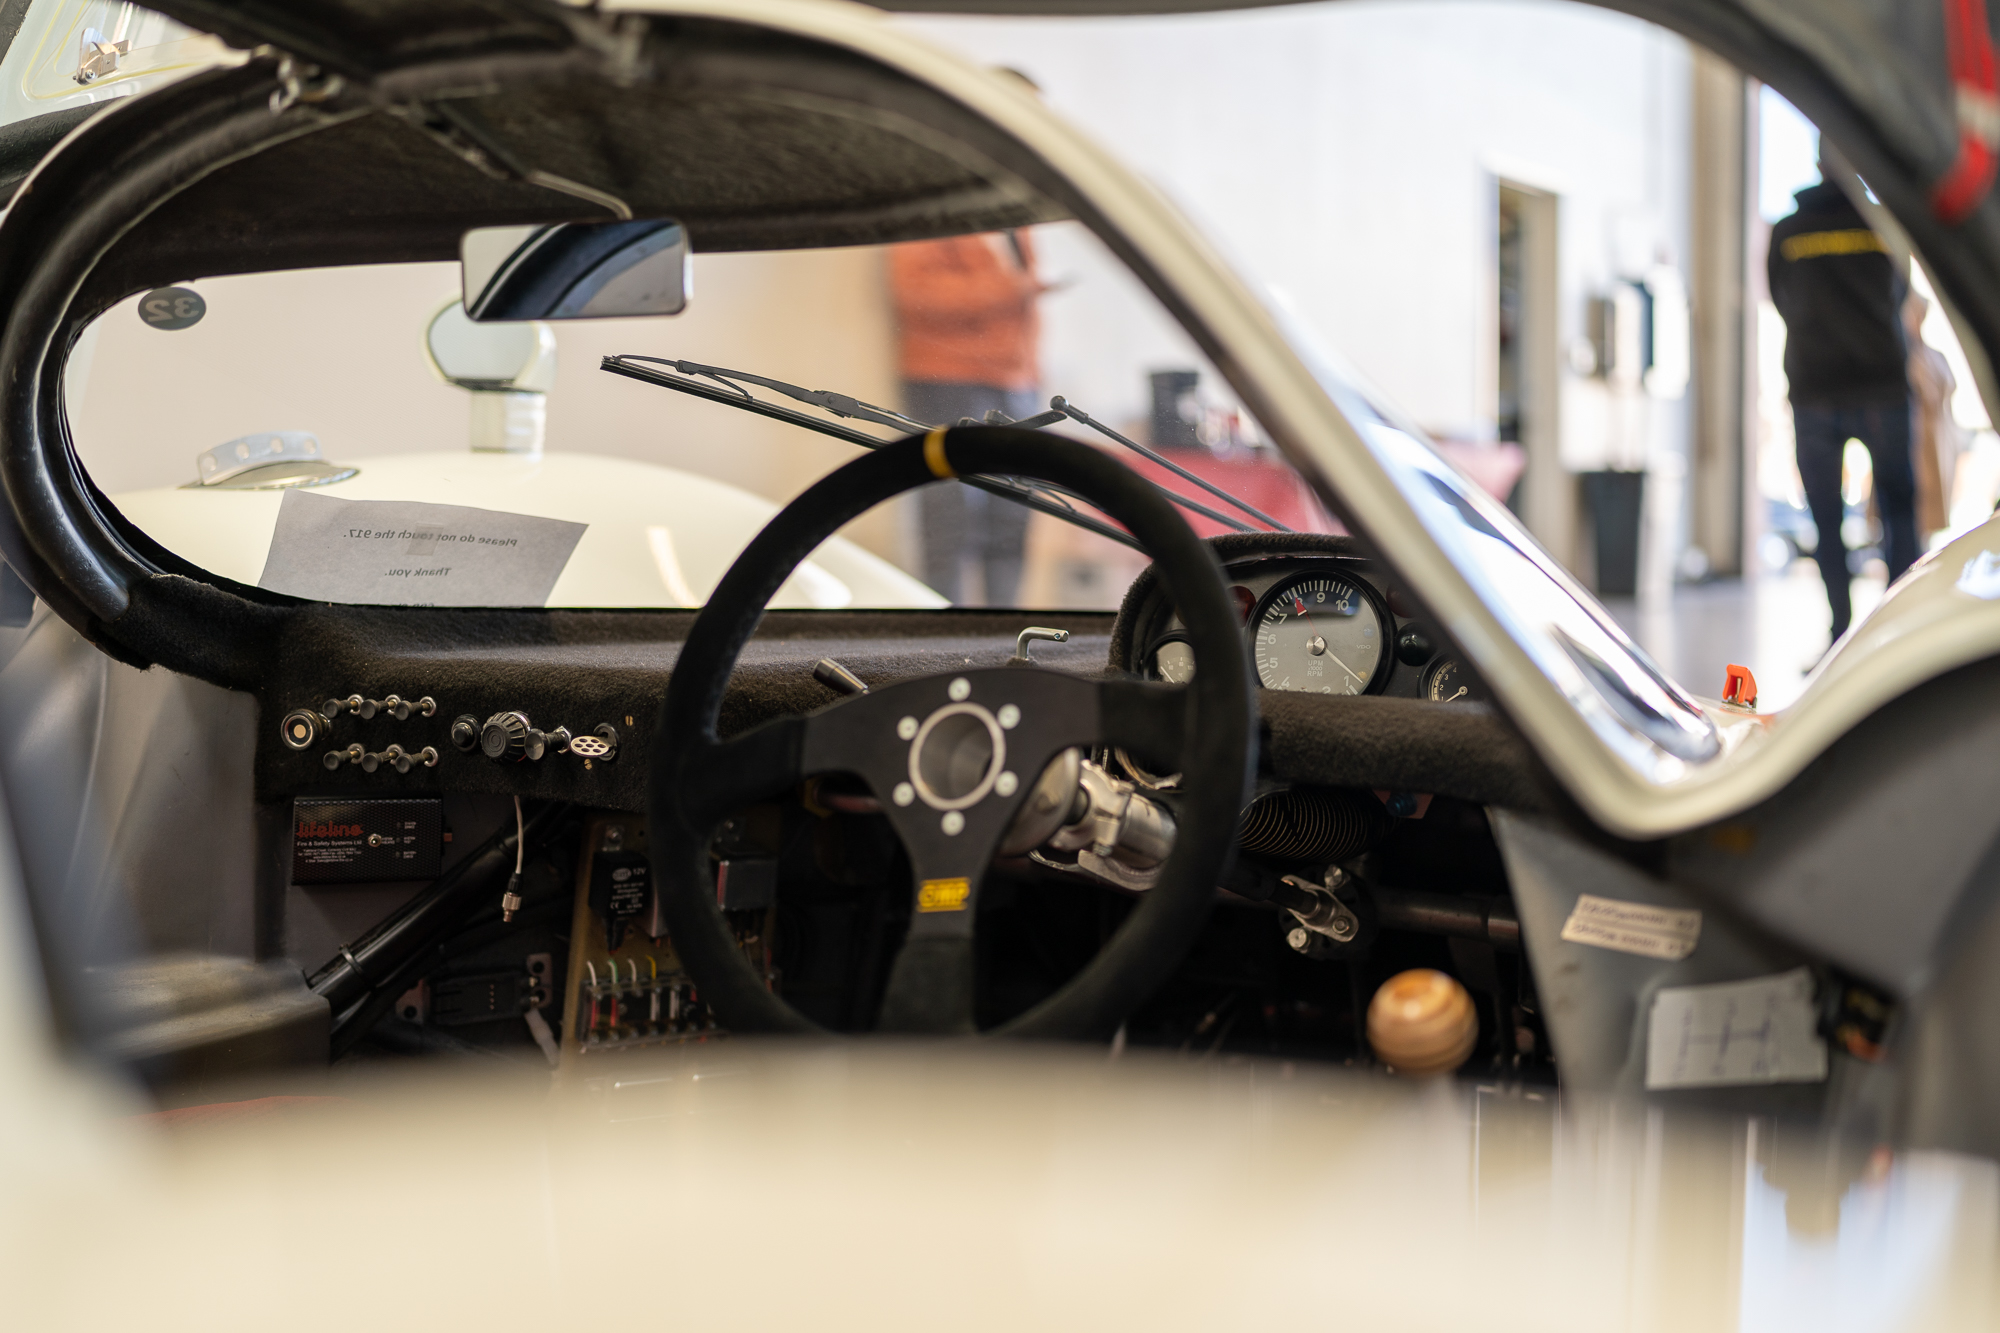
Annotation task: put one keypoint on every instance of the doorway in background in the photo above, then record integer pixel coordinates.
(1527, 385)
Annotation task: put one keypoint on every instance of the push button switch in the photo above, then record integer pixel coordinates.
(301, 728)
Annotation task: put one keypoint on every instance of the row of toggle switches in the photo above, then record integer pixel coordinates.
(394, 705)
(508, 737)
(303, 728)
(395, 757)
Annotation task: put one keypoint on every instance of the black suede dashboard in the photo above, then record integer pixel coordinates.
(580, 669)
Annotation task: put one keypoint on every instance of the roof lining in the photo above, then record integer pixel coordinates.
(767, 140)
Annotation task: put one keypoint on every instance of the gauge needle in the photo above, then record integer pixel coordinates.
(1299, 603)
(1344, 667)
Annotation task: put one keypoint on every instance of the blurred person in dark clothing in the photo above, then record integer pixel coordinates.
(967, 332)
(1847, 360)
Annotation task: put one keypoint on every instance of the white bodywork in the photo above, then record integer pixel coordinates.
(1927, 625)
(657, 536)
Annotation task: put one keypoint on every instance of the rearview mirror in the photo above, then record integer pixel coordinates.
(575, 270)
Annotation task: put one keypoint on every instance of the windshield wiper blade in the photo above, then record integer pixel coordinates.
(1052, 501)
(1083, 418)
(825, 399)
(841, 405)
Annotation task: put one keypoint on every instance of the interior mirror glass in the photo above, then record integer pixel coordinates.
(515, 357)
(575, 270)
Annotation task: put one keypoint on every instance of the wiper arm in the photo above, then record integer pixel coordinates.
(825, 399)
(1047, 500)
(1061, 408)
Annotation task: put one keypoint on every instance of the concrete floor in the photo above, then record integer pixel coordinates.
(1775, 624)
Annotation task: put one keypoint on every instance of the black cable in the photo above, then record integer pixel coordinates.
(370, 961)
(361, 1018)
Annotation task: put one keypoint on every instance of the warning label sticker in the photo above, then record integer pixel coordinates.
(1651, 932)
(1764, 1030)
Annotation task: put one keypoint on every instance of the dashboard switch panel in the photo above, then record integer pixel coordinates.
(510, 738)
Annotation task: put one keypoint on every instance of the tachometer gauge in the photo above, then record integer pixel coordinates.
(1320, 634)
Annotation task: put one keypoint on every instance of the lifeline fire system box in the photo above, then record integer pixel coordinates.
(338, 841)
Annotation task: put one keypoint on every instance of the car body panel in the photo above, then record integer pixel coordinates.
(1299, 394)
(657, 536)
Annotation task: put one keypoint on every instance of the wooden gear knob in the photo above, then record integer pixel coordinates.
(1422, 1022)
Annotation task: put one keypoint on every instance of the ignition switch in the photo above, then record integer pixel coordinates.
(510, 737)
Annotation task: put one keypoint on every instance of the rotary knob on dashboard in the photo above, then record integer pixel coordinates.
(510, 738)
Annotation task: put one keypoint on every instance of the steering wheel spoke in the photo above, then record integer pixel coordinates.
(724, 776)
(1146, 719)
(930, 987)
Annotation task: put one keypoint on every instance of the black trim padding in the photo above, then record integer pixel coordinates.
(1464, 750)
(582, 668)
(26, 142)
(1468, 751)
(1220, 745)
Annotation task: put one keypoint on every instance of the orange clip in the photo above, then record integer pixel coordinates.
(1739, 687)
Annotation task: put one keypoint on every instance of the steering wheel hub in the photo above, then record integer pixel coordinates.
(958, 757)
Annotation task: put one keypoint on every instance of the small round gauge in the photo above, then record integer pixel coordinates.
(1173, 661)
(1448, 682)
(1321, 634)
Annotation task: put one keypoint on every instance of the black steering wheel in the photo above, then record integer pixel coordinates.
(953, 757)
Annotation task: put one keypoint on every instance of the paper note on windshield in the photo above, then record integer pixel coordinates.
(1650, 932)
(401, 553)
(1761, 1031)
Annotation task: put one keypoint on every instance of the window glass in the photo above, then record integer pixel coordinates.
(71, 53)
(317, 389)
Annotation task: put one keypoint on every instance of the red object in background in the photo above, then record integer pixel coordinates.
(1260, 481)
(1739, 687)
(1495, 465)
(1975, 90)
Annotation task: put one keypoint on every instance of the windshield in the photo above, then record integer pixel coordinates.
(301, 432)
(1628, 699)
(73, 53)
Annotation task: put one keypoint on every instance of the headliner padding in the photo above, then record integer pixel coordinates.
(753, 143)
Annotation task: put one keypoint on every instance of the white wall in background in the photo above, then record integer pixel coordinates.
(339, 352)
(1345, 154)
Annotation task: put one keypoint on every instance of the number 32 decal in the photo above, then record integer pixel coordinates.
(172, 308)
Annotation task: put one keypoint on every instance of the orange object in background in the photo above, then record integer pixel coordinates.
(965, 309)
(1422, 1022)
(1739, 687)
